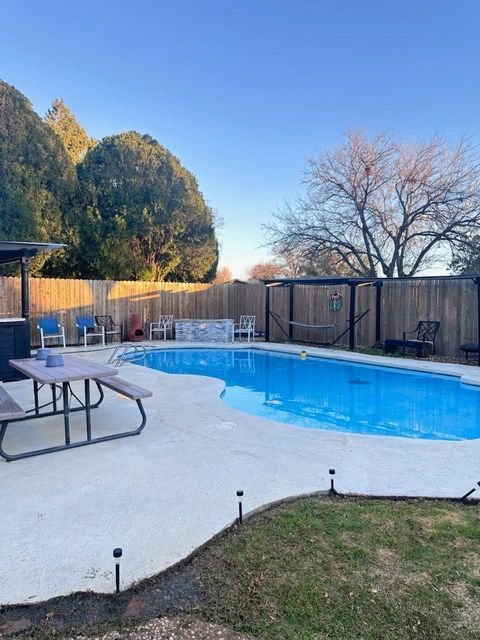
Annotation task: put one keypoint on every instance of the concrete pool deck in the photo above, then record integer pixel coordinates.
(162, 494)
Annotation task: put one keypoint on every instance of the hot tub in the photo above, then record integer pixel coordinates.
(14, 343)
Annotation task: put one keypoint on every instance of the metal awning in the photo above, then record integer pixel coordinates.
(11, 251)
(22, 252)
(339, 280)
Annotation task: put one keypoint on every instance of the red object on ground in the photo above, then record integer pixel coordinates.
(136, 332)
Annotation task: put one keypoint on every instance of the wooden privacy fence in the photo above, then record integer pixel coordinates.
(452, 302)
(404, 303)
(67, 299)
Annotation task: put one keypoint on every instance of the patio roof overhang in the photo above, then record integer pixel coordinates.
(12, 251)
(22, 252)
(340, 280)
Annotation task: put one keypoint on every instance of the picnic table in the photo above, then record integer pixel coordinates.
(74, 369)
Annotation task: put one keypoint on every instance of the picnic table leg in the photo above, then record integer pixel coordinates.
(35, 396)
(66, 412)
(3, 431)
(54, 396)
(87, 409)
(102, 395)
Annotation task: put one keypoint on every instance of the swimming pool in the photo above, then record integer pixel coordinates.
(321, 393)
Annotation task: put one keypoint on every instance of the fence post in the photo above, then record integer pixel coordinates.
(290, 313)
(351, 333)
(378, 310)
(267, 313)
(477, 282)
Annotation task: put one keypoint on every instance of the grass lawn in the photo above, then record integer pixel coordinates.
(330, 569)
(314, 569)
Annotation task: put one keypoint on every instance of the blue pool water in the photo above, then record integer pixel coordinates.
(321, 393)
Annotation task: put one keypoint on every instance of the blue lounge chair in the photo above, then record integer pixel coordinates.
(50, 330)
(87, 328)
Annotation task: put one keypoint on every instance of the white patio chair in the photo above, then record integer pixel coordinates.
(164, 324)
(246, 327)
(50, 330)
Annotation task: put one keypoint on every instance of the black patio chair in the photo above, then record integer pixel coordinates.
(426, 332)
(111, 329)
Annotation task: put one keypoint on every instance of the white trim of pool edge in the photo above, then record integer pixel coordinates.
(464, 372)
(467, 374)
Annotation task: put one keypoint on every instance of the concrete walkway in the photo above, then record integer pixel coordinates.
(163, 493)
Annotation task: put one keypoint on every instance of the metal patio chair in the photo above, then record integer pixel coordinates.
(164, 324)
(246, 327)
(426, 332)
(50, 330)
(111, 329)
(87, 328)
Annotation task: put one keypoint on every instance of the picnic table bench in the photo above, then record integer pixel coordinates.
(128, 390)
(9, 409)
(74, 369)
(124, 387)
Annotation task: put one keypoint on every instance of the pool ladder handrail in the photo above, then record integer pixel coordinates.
(121, 351)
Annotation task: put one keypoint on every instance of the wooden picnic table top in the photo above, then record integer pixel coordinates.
(73, 369)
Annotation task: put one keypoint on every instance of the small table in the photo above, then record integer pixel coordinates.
(73, 369)
(470, 347)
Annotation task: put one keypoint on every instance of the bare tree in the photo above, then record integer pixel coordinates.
(265, 270)
(223, 275)
(382, 207)
(296, 263)
(292, 264)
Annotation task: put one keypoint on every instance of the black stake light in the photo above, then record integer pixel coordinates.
(469, 493)
(117, 554)
(332, 481)
(240, 509)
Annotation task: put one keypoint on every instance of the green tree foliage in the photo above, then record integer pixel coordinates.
(37, 177)
(129, 211)
(140, 215)
(466, 260)
(74, 137)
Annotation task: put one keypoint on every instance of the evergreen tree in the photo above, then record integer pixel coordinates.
(140, 215)
(37, 177)
(466, 259)
(74, 137)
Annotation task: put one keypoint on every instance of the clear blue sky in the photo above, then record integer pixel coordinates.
(242, 91)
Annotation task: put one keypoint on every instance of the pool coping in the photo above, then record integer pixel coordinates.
(464, 372)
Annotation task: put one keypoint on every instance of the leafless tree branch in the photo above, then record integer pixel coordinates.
(377, 206)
